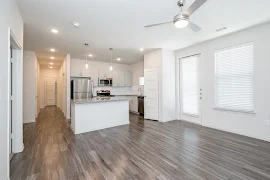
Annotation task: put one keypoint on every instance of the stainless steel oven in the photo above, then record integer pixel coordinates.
(105, 81)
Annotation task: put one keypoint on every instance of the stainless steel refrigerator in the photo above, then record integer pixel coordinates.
(81, 88)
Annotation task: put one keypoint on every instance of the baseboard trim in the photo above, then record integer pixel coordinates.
(190, 122)
(19, 149)
(230, 131)
(239, 133)
(29, 121)
(134, 112)
(71, 127)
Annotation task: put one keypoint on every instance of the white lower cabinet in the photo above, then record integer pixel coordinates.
(133, 104)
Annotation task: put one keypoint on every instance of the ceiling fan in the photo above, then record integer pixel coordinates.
(182, 20)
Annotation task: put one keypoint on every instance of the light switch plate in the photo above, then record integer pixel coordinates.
(266, 122)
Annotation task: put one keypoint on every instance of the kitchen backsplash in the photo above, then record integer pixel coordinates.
(114, 90)
(135, 90)
(120, 90)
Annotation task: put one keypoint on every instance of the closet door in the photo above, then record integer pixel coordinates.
(151, 94)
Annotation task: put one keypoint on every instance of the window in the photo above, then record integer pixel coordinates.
(234, 78)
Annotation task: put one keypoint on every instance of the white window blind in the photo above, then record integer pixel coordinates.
(234, 78)
(189, 83)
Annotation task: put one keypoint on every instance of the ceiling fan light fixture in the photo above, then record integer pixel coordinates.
(181, 20)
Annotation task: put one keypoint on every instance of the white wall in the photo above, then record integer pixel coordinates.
(29, 86)
(45, 73)
(67, 87)
(137, 71)
(249, 125)
(168, 86)
(164, 60)
(63, 86)
(60, 88)
(9, 17)
(153, 59)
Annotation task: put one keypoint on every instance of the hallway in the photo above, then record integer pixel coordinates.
(141, 150)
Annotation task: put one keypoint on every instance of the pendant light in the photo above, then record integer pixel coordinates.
(86, 62)
(111, 66)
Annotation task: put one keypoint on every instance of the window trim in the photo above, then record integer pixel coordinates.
(253, 83)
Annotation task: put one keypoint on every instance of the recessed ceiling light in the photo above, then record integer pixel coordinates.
(141, 49)
(52, 50)
(54, 31)
(51, 67)
(118, 59)
(90, 55)
(51, 63)
(52, 57)
(76, 24)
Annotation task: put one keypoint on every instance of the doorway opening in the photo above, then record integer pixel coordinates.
(15, 93)
(50, 92)
(190, 89)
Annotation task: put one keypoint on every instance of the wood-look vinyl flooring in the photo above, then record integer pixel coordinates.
(142, 150)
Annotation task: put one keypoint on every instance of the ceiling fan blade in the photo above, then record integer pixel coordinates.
(194, 6)
(158, 24)
(194, 27)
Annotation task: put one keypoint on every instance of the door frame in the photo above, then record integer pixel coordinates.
(186, 117)
(45, 91)
(17, 98)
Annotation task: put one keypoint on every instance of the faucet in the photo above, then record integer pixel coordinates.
(140, 90)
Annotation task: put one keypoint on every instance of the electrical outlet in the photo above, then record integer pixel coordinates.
(267, 122)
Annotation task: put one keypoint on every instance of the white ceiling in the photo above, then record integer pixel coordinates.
(120, 24)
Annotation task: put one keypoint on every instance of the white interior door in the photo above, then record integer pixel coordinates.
(151, 94)
(50, 92)
(190, 89)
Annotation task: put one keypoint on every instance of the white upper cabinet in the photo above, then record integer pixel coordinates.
(121, 78)
(94, 75)
(104, 73)
(115, 77)
(128, 78)
(121, 74)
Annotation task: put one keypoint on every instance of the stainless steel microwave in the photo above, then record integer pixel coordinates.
(105, 81)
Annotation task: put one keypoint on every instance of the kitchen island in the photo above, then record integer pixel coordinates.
(98, 113)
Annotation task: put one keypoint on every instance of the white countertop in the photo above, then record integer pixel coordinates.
(99, 99)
